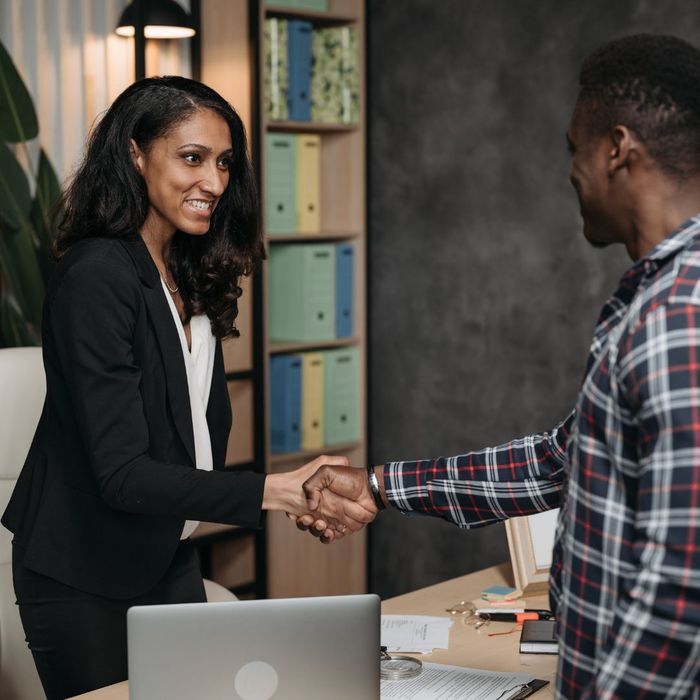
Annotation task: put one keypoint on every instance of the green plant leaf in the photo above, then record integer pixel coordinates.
(18, 120)
(14, 330)
(21, 273)
(43, 214)
(15, 199)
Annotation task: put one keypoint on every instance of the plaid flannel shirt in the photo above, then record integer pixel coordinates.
(624, 468)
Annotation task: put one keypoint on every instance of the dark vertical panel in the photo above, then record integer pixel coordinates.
(196, 40)
(139, 40)
(483, 294)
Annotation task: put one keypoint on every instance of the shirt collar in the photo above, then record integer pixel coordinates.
(680, 239)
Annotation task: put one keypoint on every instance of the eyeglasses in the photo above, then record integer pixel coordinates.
(467, 611)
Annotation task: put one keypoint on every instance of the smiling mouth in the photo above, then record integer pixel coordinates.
(201, 206)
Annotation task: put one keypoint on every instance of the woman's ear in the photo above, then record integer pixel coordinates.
(136, 155)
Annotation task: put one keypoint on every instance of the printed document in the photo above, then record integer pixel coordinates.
(440, 682)
(417, 633)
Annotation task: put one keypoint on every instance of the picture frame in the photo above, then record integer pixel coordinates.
(530, 542)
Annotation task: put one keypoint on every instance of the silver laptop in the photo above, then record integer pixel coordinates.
(287, 649)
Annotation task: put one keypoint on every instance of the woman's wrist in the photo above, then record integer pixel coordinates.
(283, 493)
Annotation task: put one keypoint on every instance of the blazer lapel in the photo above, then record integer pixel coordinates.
(168, 340)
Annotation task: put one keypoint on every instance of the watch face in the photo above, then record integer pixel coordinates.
(399, 668)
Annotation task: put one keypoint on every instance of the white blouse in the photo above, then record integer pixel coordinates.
(199, 364)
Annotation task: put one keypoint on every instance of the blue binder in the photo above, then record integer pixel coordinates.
(285, 403)
(299, 48)
(344, 262)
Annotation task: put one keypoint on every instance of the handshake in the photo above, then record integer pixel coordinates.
(327, 497)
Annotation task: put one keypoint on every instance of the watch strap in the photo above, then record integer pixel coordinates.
(374, 487)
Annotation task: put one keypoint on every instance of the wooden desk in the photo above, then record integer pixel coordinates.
(471, 647)
(468, 647)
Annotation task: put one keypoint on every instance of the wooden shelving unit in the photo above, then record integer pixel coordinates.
(311, 128)
(298, 565)
(281, 561)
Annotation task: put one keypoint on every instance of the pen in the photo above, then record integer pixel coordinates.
(514, 615)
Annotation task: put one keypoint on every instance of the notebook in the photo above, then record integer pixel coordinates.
(539, 637)
(297, 649)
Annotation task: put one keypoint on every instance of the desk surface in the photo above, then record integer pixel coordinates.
(468, 647)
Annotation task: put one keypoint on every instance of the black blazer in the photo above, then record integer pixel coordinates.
(110, 479)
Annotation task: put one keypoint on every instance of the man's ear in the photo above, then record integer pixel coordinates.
(624, 149)
(136, 155)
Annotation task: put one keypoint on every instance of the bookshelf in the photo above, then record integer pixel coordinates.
(280, 561)
(298, 565)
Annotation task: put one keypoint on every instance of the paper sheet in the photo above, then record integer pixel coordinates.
(440, 682)
(416, 633)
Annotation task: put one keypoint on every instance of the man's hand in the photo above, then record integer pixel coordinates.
(330, 493)
(349, 482)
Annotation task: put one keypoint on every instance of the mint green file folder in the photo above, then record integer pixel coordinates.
(301, 292)
(280, 183)
(341, 396)
(317, 5)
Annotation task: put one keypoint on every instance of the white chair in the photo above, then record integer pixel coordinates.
(216, 593)
(22, 389)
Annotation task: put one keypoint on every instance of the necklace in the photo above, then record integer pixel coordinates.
(170, 289)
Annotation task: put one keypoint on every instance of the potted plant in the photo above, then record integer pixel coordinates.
(29, 196)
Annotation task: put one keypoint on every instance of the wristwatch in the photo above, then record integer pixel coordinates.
(374, 487)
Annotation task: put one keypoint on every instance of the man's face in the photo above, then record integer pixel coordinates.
(592, 181)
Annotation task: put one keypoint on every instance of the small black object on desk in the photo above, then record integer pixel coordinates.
(539, 637)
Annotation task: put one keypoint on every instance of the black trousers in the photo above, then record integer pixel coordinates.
(78, 640)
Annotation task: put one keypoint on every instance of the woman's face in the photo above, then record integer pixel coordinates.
(186, 172)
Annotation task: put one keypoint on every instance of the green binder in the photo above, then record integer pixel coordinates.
(276, 74)
(317, 5)
(341, 396)
(280, 183)
(335, 75)
(301, 292)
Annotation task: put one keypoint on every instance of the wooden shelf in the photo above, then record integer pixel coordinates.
(311, 237)
(307, 455)
(311, 127)
(279, 348)
(320, 18)
(205, 529)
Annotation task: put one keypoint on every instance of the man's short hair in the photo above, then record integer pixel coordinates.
(650, 84)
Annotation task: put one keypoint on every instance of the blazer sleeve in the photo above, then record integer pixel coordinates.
(93, 320)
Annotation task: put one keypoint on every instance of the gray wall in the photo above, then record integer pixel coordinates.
(483, 293)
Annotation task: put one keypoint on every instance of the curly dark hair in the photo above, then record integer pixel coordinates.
(650, 84)
(108, 197)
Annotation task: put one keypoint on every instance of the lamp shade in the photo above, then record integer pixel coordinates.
(162, 19)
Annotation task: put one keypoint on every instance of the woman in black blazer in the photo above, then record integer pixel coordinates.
(165, 192)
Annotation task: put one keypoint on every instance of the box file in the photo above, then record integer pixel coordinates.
(312, 400)
(285, 403)
(335, 76)
(280, 183)
(276, 68)
(299, 98)
(344, 265)
(341, 396)
(301, 292)
(308, 174)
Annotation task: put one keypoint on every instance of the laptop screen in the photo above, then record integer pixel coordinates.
(296, 649)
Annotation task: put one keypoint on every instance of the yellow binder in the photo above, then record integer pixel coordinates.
(308, 183)
(311, 400)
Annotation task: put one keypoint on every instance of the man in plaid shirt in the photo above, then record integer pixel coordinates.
(624, 467)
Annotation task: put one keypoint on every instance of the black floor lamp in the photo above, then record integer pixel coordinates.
(161, 19)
